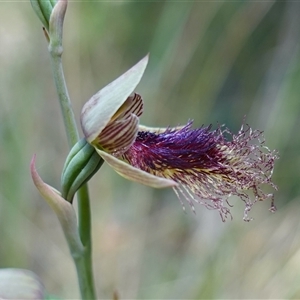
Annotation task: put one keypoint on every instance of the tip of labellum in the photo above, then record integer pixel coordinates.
(208, 165)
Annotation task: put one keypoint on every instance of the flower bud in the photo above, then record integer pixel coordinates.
(20, 284)
(43, 9)
(80, 166)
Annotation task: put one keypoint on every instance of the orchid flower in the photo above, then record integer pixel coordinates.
(202, 165)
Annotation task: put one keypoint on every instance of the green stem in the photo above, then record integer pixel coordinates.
(84, 219)
(63, 96)
(83, 261)
(85, 278)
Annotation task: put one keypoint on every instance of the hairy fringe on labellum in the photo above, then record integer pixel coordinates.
(209, 165)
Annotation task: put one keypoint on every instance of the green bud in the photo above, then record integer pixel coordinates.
(81, 164)
(43, 9)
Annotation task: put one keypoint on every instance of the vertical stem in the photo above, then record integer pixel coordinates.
(84, 219)
(83, 262)
(85, 284)
(64, 99)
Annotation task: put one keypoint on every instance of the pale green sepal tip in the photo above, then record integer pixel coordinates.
(53, 2)
(63, 210)
(20, 284)
(43, 10)
(98, 111)
(134, 174)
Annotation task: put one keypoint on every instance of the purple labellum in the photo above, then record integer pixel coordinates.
(210, 165)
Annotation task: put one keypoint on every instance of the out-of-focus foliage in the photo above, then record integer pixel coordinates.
(214, 62)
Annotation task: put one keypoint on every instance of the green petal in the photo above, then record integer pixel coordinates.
(99, 110)
(63, 209)
(20, 284)
(135, 174)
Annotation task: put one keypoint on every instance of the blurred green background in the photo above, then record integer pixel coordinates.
(214, 62)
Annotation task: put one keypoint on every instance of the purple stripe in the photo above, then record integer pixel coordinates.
(120, 136)
(126, 136)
